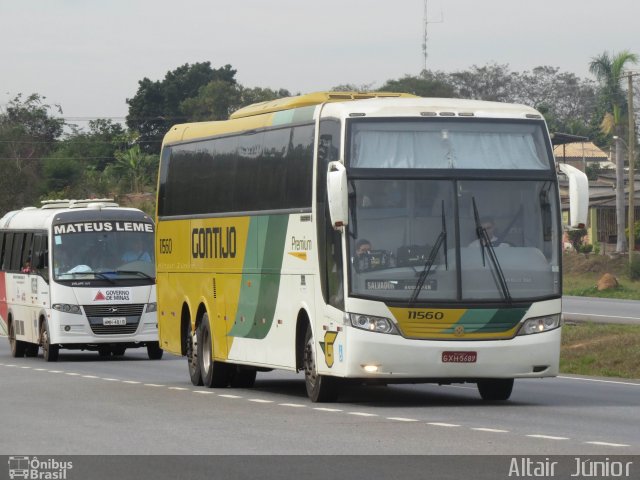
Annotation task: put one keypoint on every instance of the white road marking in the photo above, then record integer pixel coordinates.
(363, 414)
(110, 379)
(89, 376)
(54, 371)
(599, 381)
(25, 367)
(548, 437)
(325, 409)
(40, 369)
(402, 419)
(182, 389)
(204, 392)
(226, 395)
(607, 444)
(440, 424)
(295, 405)
(72, 374)
(490, 430)
(131, 382)
(260, 400)
(153, 385)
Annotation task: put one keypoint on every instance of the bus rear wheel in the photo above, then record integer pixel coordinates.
(18, 347)
(320, 388)
(32, 350)
(192, 357)
(49, 351)
(215, 374)
(154, 351)
(495, 389)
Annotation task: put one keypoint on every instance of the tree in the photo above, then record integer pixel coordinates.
(135, 166)
(492, 82)
(28, 132)
(157, 105)
(426, 85)
(608, 70)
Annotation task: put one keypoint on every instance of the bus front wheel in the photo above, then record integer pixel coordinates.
(495, 389)
(154, 351)
(18, 347)
(49, 351)
(215, 374)
(320, 388)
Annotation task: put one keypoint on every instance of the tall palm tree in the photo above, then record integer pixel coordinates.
(608, 70)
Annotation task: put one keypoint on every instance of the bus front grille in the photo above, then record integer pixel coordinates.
(114, 310)
(127, 329)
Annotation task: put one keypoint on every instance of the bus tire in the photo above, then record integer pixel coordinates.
(118, 350)
(243, 377)
(320, 388)
(154, 351)
(192, 356)
(49, 351)
(495, 389)
(215, 374)
(18, 347)
(31, 350)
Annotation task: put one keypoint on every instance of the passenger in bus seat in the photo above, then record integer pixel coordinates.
(136, 252)
(27, 266)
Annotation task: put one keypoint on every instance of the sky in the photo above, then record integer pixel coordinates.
(89, 55)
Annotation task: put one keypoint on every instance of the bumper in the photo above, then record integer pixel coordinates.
(397, 358)
(69, 329)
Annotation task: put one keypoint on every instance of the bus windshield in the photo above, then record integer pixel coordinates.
(449, 144)
(107, 255)
(447, 240)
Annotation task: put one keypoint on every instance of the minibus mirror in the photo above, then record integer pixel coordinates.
(337, 193)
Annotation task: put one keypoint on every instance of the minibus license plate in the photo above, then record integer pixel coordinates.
(114, 321)
(459, 357)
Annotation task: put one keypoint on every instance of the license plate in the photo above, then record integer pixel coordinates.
(114, 321)
(459, 357)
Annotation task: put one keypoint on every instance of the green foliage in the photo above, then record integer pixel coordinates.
(576, 237)
(426, 85)
(634, 268)
(135, 168)
(158, 105)
(28, 132)
(585, 248)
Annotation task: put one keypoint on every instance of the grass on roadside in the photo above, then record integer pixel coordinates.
(582, 272)
(603, 350)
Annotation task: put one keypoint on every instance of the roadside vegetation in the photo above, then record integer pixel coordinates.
(601, 350)
(581, 273)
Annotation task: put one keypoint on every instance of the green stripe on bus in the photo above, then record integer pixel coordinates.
(259, 292)
(489, 320)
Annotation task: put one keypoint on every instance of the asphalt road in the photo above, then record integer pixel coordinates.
(86, 405)
(600, 310)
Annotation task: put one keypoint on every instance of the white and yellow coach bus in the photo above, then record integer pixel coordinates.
(78, 274)
(377, 238)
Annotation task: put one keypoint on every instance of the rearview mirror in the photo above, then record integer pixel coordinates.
(337, 193)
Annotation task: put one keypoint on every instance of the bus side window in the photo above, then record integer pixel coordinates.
(16, 252)
(2, 235)
(8, 243)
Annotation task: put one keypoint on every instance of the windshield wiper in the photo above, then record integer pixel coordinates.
(485, 242)
(101, 275)
(441, 240)
(135, 272)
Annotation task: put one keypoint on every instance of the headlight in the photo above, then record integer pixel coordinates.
(152, 307)
(539, 324)
(373, 324)
(67, 308)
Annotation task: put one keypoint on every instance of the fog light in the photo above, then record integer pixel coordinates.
(370, 368)
(67, 328)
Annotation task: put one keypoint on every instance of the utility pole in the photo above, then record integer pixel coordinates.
(425, 36)
(632, 184)
(621, 243)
